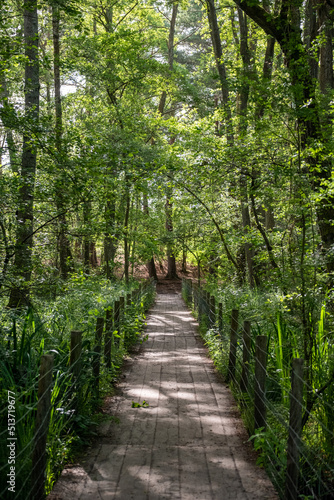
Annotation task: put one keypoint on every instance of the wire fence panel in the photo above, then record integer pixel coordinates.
(44, 414)
(293, 419)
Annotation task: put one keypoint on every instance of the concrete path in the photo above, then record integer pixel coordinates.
(188, 444)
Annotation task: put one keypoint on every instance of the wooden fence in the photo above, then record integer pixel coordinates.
(210, 315)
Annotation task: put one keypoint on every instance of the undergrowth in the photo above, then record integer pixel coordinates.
(45, 328)
(278, 316)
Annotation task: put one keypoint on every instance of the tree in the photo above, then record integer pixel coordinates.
(171, 262)
(285, 28)
(25, 213)
(63, 243)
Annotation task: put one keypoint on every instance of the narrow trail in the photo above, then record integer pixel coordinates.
(188, 444)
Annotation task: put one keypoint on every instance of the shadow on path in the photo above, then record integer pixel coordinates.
(188, 444)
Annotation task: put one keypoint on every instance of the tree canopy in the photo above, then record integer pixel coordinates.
(132, 129)
(162, 138)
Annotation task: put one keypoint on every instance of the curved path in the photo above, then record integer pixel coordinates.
(188, 444)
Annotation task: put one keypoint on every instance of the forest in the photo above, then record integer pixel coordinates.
(160, 138)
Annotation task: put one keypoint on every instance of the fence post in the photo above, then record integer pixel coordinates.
(75, 355)
(295, 430)
(190, 293)
(108, 337)
(260, 381)
(233, 345)
(212, 311)
(200, 303)
(220, 317)
(195, 294)
(121, 306)
(207, 305)
(134, 296)
(246, 346)
(42, 421)
(117, 311)
(75, 365)
(97, 354)
(185, 290)
(121, 316)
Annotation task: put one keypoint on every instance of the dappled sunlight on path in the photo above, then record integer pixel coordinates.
(188, 444)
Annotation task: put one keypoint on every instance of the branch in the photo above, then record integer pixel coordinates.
(311, 402)
(188, 36)
(220, 231)
(43, 225)
(264, 234)
(188, 248)
(125, 15)
(261, 17)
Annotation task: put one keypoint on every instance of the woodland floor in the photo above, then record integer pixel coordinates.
(188, 444)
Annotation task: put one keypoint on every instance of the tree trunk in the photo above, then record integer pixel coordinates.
(126, 235)
(152, 272)
(87, 243)
(310, 35)
(266, 76)
(170, 53)
(326, 48)
(110, 239)
(286, 29)
(171, 262)
(242, 104)
(65, 255)
(269, 218)
(25, 214)
(242, 107)
(93, 255)
(184, 260)
(150, 265)
(134, 239)
(243, 94)
(218, 52)
(246, 224)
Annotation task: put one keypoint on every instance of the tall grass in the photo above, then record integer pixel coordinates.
(280, 317)
(46, 329)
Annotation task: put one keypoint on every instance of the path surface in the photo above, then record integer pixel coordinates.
(188, 444)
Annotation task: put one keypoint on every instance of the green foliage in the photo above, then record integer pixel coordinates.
(73, 404)
(252, 212)
(217, 350)
(271, 448)
(138, 405)
(279, 317)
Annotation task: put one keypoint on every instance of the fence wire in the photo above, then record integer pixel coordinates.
(75, 396)
(315, 457)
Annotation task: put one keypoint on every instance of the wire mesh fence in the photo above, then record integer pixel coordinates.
(288, 411)
(51, 393)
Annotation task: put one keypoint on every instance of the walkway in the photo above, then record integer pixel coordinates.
(188, 444)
